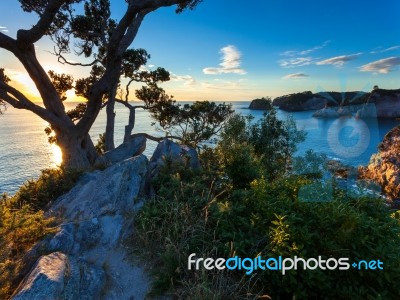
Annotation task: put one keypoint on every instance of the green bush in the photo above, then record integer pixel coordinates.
(23, 224)
(233, 206)
(50, 185)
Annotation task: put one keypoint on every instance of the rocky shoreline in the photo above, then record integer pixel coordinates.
(379, 103)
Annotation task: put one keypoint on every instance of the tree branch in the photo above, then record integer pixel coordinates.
(8, 43)
(41, 27)
(130, 106)
(20, 101)
(62, 60)
(156, 139)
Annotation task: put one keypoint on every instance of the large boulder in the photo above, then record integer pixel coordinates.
(384, 167)
(133, 147)
(177, 154)
(46, 280)
(104, 192)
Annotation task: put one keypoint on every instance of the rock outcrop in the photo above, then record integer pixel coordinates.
(168, 150)
(86, 259)
(133, 147)
(384, 167)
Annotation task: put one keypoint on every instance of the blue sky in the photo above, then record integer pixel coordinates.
(231, 50)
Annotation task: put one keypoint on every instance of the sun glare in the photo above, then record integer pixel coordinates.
(57, 154)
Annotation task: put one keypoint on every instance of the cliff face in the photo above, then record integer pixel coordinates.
(382, 104)
(384, 167)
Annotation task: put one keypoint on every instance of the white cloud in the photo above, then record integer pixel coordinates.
(382, 66)
(380, 50)
(151, 66)
(296, 62)
(305, 52)
(230, 62)
(3, 29)
(296, 76)
(187, 79)
(219, 84)
(339, 61)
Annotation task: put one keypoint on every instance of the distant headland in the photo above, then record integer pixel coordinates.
(380, 103)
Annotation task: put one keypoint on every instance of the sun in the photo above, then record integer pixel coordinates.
(57, 154)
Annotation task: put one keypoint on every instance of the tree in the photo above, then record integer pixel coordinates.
(93, 35)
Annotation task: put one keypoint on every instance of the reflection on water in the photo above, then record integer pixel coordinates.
(24, 149)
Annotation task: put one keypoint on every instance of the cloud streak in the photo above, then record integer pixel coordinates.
(187, 79)
(380, 50)
(339, 61)
(296, 76)
(305, 52)
(230, 62)
(382, 66)
(3, 29)
(296, 62)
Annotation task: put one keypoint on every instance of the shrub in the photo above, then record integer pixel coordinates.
(23, 224)
(50, 185)
(245, 203)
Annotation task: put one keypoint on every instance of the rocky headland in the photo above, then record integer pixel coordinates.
(87, 258)
(379, 103)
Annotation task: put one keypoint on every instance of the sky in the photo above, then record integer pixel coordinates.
(237, 50)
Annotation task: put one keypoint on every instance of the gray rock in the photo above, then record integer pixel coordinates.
(97, 214)
(115, 189)
(46, 280)
(63, 240)
(179, 154)
(85, 281)
(88, 233)
(133, 147)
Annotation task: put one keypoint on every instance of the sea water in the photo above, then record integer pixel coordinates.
(24, 149)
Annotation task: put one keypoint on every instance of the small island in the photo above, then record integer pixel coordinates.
(264, 103)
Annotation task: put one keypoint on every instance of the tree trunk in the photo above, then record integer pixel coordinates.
(109, 135)
(131, 123)
(78, 151)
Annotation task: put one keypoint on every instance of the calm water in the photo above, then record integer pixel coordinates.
(24, 150)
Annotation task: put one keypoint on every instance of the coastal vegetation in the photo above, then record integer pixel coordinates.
(23, 223)
(245, 202)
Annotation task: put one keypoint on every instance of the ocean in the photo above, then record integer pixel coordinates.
(24, 149)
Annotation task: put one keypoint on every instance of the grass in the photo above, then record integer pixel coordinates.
(23, 223)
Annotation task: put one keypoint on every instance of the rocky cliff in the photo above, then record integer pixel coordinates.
(379, 103)
(384, 167)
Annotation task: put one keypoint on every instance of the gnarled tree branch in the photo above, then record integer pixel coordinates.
(26, 37)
